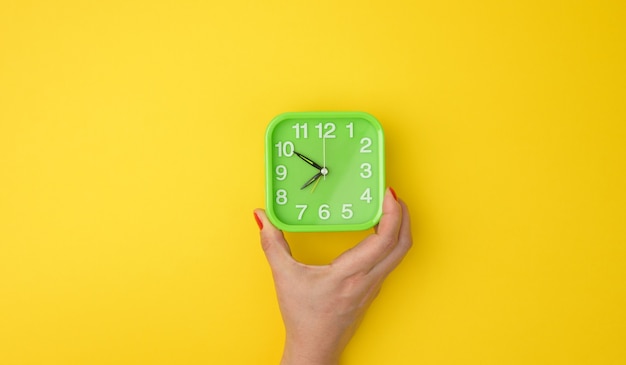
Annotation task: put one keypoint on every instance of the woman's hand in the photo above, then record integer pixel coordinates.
(322, 306)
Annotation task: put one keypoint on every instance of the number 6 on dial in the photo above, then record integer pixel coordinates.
(324, 171)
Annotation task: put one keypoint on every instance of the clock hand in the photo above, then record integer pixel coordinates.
(311, 180)
(324, 170)
(314, 186)
(308, 160)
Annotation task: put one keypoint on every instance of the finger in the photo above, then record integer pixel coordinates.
(377, 246)
(405, 242)
(273, 242)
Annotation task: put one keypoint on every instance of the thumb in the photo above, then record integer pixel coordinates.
(273, 241)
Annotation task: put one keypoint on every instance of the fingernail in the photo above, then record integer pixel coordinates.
(393, 193)
(258, 221)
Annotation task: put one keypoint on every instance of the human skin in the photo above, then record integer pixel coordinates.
(322, 306)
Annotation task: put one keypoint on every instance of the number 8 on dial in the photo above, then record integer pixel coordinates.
(324, 171)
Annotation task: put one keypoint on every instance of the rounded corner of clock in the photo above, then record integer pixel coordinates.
(375, 122)
(378, 216)
(373, 221)
(271, 215)
(274, 122)
(278, 118)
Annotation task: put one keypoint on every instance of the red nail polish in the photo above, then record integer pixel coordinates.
(393, 193)
(258, 221)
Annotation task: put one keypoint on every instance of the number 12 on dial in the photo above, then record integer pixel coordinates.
(324, 171)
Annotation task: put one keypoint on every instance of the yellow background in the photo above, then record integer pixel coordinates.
(131, 157)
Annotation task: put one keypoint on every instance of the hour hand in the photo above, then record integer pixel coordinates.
(308, 160)
(311, 180)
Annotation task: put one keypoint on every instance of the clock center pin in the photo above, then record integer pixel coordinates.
(324, 171)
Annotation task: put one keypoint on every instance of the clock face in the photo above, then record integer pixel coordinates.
(324, 171)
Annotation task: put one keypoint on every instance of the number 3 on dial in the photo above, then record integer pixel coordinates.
(325, 171)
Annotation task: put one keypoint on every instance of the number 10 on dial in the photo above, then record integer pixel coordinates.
(324, 171)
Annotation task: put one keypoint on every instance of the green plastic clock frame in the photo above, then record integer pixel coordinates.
(324, 171)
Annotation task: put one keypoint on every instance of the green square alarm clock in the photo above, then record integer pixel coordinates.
(324, 171)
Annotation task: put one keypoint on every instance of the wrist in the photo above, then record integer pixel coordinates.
(296, 358)
(309, 353)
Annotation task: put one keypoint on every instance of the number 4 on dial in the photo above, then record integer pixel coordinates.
(367, 196)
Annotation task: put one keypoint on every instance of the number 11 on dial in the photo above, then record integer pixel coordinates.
(325, 171)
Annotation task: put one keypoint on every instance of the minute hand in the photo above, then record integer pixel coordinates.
(308, 160)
